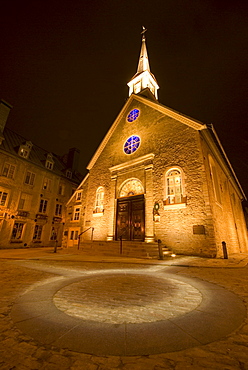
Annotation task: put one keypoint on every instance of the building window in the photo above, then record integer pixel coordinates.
(137, 87)
(78, 196)
(131, 187)
(3, 197)
(43, 206)
(132, 144)
(215, 181)
(37, 232)
(49, 165)
(133, 115)
(68, 174)
(49, 161)
(25, 149)
(174, 187)
(74, 235)
(61, 189)
(17, 231)
(24, 153)
(47, 184)
(76, 215)
(8, 170)
(29, 178)
(25, 202)
(99, 200)
(58, 209)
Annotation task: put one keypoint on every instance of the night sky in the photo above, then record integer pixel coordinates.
(64, 66)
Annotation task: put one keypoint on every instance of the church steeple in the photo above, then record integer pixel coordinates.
(143, 79)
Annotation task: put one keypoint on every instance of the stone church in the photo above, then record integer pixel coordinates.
(158, 175)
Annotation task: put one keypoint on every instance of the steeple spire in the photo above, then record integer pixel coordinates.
(143, 79)
(143, 64)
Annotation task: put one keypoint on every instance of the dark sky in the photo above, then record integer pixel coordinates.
(64, 66)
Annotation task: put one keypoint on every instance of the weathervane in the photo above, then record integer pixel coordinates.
(143, 33)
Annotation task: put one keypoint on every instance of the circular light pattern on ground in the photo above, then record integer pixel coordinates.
(129, 298)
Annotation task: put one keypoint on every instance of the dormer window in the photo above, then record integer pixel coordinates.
(49, 162)
(24, 149)
(24, 153)
(68, 174)
(49, 165)
(29, 145)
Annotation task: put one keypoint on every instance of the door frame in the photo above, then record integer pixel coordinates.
(131, 199)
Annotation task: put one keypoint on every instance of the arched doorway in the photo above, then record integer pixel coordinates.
(130, 215)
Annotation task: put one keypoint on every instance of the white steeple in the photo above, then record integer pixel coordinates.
(143, 78)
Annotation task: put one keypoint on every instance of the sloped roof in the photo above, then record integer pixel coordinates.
(37, 156)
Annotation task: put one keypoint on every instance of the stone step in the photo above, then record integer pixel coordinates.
(131, 249)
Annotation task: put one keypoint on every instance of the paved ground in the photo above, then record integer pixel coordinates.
(216, 289)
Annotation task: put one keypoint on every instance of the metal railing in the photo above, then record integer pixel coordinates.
(92, 228)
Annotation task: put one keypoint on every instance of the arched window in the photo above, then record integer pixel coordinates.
(99, 200)
(215, 181)
(174, 187)
(131, 187)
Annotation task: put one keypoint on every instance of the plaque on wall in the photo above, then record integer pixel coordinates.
(199, 229)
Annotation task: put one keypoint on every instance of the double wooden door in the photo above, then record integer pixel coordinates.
(130, 223)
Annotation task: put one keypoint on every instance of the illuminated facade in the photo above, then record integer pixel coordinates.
(35, 186)
(158, 175)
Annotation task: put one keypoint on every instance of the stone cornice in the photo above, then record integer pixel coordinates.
(134, 162)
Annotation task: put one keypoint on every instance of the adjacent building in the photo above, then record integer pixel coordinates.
(35, 186)
(158, 174)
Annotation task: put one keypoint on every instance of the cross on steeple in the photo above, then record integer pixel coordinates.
(143, 32)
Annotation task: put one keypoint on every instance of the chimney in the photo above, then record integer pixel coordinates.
(73, 159)
(4, 112)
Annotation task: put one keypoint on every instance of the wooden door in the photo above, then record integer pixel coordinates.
(73, 236)
(130, 218)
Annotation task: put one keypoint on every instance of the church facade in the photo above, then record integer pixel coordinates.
(158, 174)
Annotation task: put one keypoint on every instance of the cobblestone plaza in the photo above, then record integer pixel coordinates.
(64, 311)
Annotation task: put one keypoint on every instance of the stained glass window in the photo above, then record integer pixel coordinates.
(133, 115)
(132, 144)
